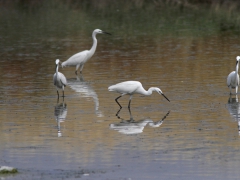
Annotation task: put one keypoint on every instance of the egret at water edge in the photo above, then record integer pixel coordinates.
(131, 88)
(81, 58)
(233, 78)
(59, 80)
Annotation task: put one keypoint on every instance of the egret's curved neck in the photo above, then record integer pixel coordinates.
(236, 72)
(56, 68)
(149, 91)
(94, 46)
(237, 67)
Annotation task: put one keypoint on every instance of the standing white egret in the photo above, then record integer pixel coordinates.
(131, 88)
(81, 58)
(233, 78)
(59, 80)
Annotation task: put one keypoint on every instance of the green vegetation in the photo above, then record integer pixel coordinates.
(7, 170)
(161, 17)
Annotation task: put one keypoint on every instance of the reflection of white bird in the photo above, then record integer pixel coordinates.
(234, 109)
(59, 80)
(131, 88)
(135, 127)
(233, 78)
(60, 113)
(85, 90)
(81, 58)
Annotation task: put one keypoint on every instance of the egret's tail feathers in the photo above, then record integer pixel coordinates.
(110, 88)
(63, 64)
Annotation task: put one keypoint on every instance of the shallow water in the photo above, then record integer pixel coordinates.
(196, 135)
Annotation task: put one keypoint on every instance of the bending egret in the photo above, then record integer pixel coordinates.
(59, 80)
(233, 78)
(81, 58)
(131, 88)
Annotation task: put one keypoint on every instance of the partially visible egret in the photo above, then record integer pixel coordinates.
(59, 80)
(233, 78)
(131, 88)
(81, 58)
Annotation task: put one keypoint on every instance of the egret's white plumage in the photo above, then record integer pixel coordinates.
(81, 58)
(131, 88)
(233, 78)
(59, 80)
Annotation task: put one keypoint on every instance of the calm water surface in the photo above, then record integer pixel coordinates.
(196, 135)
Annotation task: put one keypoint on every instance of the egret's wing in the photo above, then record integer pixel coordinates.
(76, 59)
(62, 79)
(54, 79)
(237, 79)
(230, 78)
(126, 87)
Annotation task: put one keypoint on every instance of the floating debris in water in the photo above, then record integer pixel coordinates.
(7, 169)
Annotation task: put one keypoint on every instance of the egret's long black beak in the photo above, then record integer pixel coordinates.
(165, 97)
(236, 62)
(106, 33)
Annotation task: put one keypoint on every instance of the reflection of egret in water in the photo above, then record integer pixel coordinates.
(60, 114)
(85, 90)
(135, 127)
(234, 109)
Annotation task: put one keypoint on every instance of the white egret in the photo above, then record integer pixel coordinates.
(81, 58)
(233, 78)
(59, 80)
(131, 88)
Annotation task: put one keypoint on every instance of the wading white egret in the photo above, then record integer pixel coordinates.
(59, 80)
(131, 88)
(233, 78)
(81, 58)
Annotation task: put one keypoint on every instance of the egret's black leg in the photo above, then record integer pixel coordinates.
(129, 102)
(118, 102)
(131, 118)
(58, 96)
(76, 72)
(63, 94)
(118, 113)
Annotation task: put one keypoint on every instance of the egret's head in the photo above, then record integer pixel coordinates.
(160, 92)
(237, 62)
(99, 31)
(57, 61)
(238, 58)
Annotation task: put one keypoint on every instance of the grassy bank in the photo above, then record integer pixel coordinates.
(184, 18)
